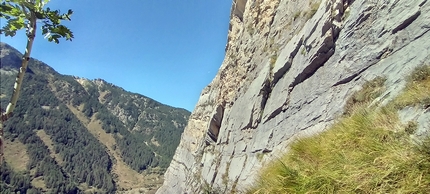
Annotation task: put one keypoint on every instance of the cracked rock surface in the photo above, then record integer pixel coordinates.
(288, 72)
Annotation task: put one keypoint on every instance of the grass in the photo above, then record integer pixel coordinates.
(273, 60)
(313, 9)
(15, 154)
(39, 183)
(369, 92)
(366, 151)
(417, 89)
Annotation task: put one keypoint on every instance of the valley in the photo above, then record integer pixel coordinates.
(75, 134)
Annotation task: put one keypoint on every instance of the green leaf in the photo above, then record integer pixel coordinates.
(10, 10)
(12, 26)
(38, 4)
(30, 6)
(14, 12)
(54, 38)
(39, 15)
(44, 31)
(4, 8)
(8, 32)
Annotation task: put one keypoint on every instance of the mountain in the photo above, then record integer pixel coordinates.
(71, 134)
(290, 68)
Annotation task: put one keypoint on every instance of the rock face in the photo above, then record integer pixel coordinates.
(289, 68)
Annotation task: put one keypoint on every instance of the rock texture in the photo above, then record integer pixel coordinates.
(289, 68)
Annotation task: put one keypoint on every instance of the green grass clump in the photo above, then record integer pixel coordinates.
(369, 92)
(357, 155)
(417, 89)
(366, 151)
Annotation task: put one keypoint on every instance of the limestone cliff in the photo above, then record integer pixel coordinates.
(289, 68)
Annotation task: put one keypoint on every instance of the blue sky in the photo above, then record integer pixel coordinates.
(167, 50)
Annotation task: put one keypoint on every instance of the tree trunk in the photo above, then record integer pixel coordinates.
(31, 33)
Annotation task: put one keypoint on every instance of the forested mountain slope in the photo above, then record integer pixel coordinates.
(70, 134)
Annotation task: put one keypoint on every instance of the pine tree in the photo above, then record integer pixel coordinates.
(24, 14)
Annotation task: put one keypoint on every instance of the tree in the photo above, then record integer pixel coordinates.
(24, 14)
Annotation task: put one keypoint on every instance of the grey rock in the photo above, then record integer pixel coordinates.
(320, 61)
(418, 115)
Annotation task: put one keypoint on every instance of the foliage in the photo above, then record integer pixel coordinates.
(84, 159)
(12, 182)
(18, 12)
(155, 121)
(366, 151)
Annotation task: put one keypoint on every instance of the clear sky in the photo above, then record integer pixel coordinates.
(168, 50)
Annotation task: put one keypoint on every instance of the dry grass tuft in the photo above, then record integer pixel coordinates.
(417, 89)
(16, 156)
(369, 92)
(366, 151)
(313, 9)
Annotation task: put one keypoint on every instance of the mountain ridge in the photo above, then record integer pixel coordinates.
(132, 137)
(14, 61)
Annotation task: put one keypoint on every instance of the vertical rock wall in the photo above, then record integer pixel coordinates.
(290, 66)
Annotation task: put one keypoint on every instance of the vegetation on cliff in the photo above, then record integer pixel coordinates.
(55, 121)
(367, 151)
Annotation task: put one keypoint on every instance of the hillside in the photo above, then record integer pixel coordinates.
(289, 69)
(71, 134)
